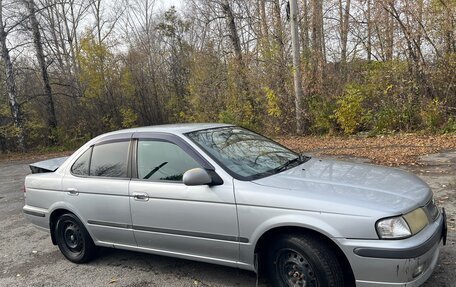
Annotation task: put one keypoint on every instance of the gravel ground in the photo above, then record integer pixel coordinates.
(28, 258)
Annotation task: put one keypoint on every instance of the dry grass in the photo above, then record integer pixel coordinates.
(33, 156)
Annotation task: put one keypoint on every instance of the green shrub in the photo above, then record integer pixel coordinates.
(321, 114)
(450, 126)
(350, 113)
(433, 115)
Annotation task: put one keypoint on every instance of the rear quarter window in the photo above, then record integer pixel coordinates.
(81, 165)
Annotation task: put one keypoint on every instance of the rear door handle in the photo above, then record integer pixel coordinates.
(141, 196)
(72, 191)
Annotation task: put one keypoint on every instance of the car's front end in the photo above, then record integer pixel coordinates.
(407, 260)
(396, 230)
(383, 220)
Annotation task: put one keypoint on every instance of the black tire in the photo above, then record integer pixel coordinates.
(73, 239)
(298, 260)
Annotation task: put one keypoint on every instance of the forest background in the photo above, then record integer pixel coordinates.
(73, 69)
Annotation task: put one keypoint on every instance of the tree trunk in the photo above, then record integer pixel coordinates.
(10, 80)
(34, 25)
(389, 43)
(414, 51)
(281, 73)
(74, 70)
(449, 28)
(296, 68)
(369, 31)
(278, 29)
(234, 37)
(419, 27)
(74, 23)
(264, 31)
(317, 45)
(242, 75)
(344, 14)
(305, 29)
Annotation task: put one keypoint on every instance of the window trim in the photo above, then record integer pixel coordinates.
(108, 141)
(184, 146)
(132, 138)
(74, 162)
(177, 140)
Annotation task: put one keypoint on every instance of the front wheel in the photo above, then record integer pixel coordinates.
(73, 239)
(296, 260)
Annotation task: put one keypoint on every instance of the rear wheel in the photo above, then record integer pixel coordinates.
(297, 261)
(73, 239)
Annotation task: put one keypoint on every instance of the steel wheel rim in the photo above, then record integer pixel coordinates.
(72, 237)
(294, 269)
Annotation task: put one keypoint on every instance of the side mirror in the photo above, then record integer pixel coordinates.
(196, 176)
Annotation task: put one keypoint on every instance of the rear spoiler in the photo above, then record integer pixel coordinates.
(49, 165)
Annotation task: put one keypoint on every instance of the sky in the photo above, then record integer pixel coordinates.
(168, 3)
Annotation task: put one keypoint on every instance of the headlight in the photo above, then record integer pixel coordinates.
(393, 228)
(402, 226)
(417, 220)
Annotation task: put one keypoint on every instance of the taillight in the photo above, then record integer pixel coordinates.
(23, 188)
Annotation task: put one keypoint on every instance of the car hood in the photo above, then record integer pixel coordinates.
(353, 185)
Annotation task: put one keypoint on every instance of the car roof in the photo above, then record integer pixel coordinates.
(172, 128)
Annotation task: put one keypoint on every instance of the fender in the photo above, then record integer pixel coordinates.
(66, 206)
(304, 221)
(310, 221)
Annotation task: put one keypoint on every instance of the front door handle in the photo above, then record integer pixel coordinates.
(141, 196)
(72, 191)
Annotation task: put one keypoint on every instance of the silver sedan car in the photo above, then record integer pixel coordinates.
(223, 194)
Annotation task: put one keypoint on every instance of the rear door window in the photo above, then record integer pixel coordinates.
(110, 159)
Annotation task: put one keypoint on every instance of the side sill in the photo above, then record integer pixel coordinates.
(186, 256)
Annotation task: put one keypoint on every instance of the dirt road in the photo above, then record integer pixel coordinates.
(28, 258)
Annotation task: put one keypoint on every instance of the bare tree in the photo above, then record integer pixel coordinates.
(305, 28)
(140, 30)
(236, 43)
(317, 46)
(297, 68)
(449, 25)
(16, 112)
(60, 22)
(38, 44)
(344, 16)
(369, 30)
(263, 27)
(233, 32)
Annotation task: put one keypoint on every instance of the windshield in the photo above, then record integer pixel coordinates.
(245, 153)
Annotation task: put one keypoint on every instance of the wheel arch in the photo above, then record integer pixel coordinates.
(59, 209)
(268, 236)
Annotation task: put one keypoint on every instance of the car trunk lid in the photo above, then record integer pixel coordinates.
(49, 165)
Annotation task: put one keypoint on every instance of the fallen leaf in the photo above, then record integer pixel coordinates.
(391, 150)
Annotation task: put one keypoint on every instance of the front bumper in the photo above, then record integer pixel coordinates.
(408, 261)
